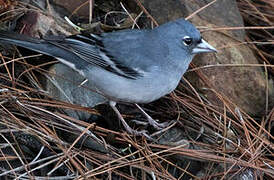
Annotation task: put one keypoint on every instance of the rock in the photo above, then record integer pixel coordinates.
(164, 11)
(80, 7)
(244, 86)
(64, 85)
(248, 174)
(36, 24)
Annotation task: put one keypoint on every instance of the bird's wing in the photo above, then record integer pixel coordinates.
(91, 51)
(80, 52)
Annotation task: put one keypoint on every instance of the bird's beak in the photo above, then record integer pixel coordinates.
(203, 47)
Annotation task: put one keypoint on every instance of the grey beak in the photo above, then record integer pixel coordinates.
(203, 47)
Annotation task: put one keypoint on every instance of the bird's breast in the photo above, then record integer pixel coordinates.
(151, 86)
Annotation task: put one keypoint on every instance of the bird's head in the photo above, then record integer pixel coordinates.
(181, 33)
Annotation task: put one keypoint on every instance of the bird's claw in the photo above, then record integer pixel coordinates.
(143, 123)
(153, 123)
(140, 133)
(159, 126)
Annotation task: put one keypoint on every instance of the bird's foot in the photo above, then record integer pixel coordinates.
(139, 133)
(156, 125)
(151, 121)
(126, 126)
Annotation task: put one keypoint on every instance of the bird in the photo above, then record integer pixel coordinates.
(135, 66)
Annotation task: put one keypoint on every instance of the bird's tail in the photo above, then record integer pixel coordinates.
(35, 44)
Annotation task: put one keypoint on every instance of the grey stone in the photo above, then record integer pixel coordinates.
(65, 85)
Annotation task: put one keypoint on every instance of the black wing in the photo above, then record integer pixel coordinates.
(78, 51)
(90, 49)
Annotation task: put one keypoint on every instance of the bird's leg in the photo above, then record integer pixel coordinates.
(151, 121)
(126, 126)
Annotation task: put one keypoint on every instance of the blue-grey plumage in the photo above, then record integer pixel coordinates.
(136, 66)
(131, 65)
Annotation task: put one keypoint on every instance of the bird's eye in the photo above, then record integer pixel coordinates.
(187, 40)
